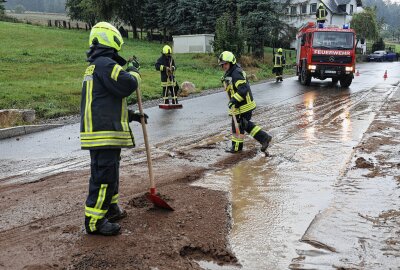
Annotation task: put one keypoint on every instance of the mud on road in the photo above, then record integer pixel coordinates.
(41, 222)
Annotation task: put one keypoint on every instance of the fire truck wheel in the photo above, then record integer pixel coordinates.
(346, 81)
(305, 76)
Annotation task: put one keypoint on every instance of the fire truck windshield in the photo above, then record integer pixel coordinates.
(333, 40)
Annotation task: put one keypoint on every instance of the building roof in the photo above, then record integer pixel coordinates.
(339, 6)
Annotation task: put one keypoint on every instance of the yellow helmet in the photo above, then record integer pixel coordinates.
(226, 57)
(107, 35)
(321, 5)
(280, 50)
(166, 49)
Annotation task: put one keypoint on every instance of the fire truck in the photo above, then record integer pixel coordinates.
(325, 51)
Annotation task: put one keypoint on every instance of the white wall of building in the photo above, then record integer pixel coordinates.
(300, 12)
(200, 43)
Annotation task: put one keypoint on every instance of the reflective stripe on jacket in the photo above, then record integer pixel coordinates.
(238, 89)
(279, 60)
(104, 110)
(321, 14)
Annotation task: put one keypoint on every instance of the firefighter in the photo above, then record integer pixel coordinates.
(241, 103)
(105, 125)
(166, 65)
(279, 62)
(321, 13)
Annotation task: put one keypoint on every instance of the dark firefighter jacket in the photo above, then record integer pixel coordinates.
(239, 91)
(279, 60)
(162, 63)
(104, 112)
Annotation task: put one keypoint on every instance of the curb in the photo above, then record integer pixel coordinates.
(23, 130)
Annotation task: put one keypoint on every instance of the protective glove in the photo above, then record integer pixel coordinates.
(136, 116)
(231, 105)
(131, 67)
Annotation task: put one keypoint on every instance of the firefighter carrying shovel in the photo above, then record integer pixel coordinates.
(241, 104)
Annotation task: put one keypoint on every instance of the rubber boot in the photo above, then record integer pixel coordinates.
(106, 228)
(265, 144)
(115, 213)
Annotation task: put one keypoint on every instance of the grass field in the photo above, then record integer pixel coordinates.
(41, 68)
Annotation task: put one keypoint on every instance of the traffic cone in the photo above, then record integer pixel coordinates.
(358, 73)
(385, 75)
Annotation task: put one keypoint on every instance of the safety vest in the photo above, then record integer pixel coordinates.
(321, 14)
(161, 65)
(278, 60)
(104, 111)
(239, 88)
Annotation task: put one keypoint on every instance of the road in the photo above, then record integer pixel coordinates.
(275, 202)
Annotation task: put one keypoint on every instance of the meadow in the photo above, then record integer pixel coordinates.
(41, 68)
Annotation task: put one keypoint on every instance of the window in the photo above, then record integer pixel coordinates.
(351, 9)
(293, 10)
(333, 40)
(303, 8)
(313, 8)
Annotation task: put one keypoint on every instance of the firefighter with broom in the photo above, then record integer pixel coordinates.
(166, 65)
(241, 104)
(105, 125)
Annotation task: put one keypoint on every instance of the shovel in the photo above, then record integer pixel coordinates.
(235, 123)
(152, 196)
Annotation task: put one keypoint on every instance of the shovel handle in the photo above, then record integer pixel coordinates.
(146, 142)
(235, 123)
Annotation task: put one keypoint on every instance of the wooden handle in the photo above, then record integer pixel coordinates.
(235, 123)
(146, 140)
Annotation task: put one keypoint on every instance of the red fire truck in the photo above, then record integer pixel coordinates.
(325, 51)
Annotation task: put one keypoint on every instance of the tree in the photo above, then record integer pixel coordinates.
(19, 9)
(130, 12)
(261, 22)
(365, 24)
(228, 35)
(1, 8)
(82, 10)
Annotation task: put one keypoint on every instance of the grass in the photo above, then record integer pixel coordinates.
(41, 68)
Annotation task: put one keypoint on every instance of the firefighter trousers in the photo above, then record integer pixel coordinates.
(167, 91)
(103, 186)
(245, 124)
(278, 73)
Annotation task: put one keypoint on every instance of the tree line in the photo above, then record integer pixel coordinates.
(51, 6)
(239, 25)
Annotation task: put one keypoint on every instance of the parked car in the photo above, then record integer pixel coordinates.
(380, 56)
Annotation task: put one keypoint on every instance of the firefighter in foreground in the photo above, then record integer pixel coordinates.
(279, 62)
(321, 13)
(241, 103)
(166, 65)
(105, 125)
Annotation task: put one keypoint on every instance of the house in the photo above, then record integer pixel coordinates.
(339, 11)
(199, 43)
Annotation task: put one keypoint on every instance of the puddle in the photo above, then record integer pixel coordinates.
(275, 199)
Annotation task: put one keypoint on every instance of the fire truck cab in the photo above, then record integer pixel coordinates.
(325, 51)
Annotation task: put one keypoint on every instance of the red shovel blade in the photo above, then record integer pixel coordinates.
(170, 106)
(157, 201)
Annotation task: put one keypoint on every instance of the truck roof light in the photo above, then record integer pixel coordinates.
(345, 26)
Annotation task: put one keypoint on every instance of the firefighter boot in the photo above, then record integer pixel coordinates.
(232, 150)
(265, 144)
(106, 228)
(115, 213)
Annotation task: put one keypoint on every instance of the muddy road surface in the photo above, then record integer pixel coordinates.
(326, 198)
